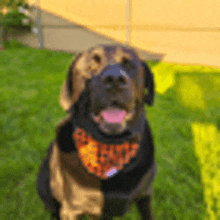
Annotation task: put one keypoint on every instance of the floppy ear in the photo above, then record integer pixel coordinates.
(66, 96)
(149, 84)
(64, 135)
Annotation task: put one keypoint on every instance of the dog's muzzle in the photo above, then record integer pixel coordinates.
(113, 98)
(114, 76)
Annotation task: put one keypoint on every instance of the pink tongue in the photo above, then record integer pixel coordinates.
(114, 116)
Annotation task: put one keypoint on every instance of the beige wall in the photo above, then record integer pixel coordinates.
(175, 28)
(182, 13)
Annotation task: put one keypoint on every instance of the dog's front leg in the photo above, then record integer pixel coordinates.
(144, 207)
(67, 213)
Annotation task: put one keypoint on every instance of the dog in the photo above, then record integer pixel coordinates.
(102, 158)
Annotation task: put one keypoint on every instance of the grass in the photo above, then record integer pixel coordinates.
(29, 113)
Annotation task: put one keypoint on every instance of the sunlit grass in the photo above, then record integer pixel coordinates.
(207, 149)
(164, 78)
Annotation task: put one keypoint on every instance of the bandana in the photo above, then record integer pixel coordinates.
(103, 160)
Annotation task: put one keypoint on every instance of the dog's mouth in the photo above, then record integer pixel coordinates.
(113, 120)
(112, 115)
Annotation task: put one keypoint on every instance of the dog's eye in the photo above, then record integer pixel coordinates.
(97, 58)
(127, 64)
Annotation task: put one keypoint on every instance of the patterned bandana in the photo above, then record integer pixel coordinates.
(103, 160)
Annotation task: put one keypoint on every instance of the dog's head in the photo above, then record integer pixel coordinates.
(110, 81)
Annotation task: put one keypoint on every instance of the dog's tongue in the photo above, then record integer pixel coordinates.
(113, 115)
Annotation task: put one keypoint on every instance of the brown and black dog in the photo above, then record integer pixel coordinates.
(103, 156)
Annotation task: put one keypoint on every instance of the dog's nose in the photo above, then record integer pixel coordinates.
(114, 77)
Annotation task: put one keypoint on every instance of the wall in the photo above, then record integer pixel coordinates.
(190, 29)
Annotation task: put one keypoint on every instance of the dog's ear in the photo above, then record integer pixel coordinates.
(69, 89)
(149, 84)
(64, 135)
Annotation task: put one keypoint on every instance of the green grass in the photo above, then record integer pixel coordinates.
(29, 113)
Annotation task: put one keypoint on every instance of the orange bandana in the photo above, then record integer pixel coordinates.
(103, 160)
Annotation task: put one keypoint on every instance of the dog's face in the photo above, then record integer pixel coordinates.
(115, 78)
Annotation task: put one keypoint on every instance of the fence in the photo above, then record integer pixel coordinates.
(177, 27)
(1, 34)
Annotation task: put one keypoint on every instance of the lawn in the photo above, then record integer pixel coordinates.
(186, 168)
